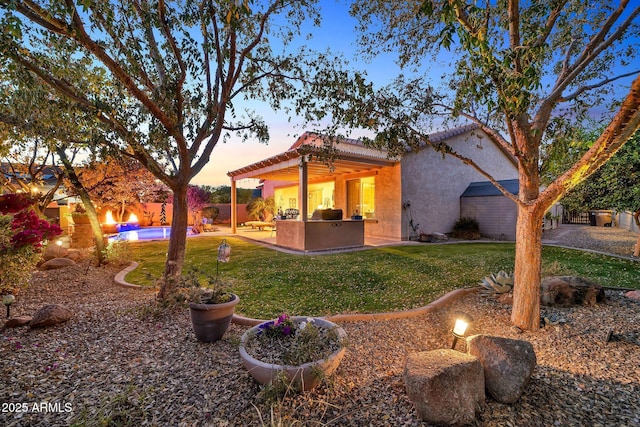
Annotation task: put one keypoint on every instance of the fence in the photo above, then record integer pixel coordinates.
(573, 217)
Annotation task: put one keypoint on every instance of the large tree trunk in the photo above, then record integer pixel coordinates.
(528, 264)
(70, 172)
(177, 242)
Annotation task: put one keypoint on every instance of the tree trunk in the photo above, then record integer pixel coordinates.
(98, 237)
(636, 218)
(528, 263)
(177, 242)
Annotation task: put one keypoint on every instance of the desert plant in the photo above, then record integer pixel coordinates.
(466, 228)
(497, 284)
(259, 208)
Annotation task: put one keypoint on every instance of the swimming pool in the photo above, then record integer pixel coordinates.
(147, 233)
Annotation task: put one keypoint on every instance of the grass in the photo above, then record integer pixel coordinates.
(375, 280)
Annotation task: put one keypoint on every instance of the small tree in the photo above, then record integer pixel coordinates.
(197, 198)
(517, 67)
(259, 208)
(177, 74)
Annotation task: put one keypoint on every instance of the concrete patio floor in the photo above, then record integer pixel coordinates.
(268, 238)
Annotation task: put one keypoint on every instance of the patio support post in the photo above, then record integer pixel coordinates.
(234, 206)
(303, 188)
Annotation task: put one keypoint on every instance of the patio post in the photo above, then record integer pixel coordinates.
(303, 188)
(234, 206)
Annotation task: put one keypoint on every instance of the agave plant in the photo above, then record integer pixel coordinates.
(497, 284)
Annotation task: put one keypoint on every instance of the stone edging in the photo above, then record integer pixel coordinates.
(356, 317)
(119, 278)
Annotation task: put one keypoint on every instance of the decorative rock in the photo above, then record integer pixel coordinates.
(433, 237)
(505, 298)
(508, 365)
(564, 291)
(49, 315)
(56, 263)
(54, 251)
(16, 322)
(635, 295)
(445, 386)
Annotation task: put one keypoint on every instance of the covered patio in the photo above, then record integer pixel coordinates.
(312, 162)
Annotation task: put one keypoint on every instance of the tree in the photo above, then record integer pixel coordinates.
(518, 67)
(259, 208)
(118, 182)
(177, 71)
(197, 198)
(222, 194)
(614, 186)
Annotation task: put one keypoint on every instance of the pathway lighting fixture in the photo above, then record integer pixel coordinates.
(460, 328)
(224, 253)
(8, 300)
(59, 242)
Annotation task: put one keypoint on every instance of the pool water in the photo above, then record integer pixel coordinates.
(147, 233)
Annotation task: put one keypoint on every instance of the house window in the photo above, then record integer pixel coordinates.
(361, 197)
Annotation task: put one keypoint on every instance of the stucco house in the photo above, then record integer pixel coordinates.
(379, 196)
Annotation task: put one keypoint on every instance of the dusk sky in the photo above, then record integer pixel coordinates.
(337, 33)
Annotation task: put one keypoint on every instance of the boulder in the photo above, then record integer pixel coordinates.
(508, 365)
(56, 263)
(54, 251)
(433, 237)
(49, 315)
(445, 386)
(17, 321)
(634, 295)
(564, 291)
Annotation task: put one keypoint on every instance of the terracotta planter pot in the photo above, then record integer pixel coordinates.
(80, 219)
(306, 376)
(211, 321)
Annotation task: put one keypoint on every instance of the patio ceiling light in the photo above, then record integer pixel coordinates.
(460, 328)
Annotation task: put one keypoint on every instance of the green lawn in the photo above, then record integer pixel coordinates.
(375, 280)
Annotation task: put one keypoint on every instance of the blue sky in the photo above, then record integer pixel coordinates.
(337, 32)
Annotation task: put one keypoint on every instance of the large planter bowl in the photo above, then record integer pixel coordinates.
(304, 377)
(211, 321)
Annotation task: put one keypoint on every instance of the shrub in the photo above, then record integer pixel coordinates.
(22, 235)
(466, 228)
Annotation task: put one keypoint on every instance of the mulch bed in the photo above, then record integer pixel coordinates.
(116, 361)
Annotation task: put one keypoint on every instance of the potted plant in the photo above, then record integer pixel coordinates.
(299, 351)
(79, 215)
(211, 307)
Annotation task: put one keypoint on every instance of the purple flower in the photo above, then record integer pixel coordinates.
(286, 330)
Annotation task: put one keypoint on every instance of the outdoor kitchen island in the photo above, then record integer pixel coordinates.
(319, 235)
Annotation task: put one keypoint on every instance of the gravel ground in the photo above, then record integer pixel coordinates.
(113, 361)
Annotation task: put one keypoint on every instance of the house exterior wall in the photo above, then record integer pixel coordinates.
(433, 184)
(496, 215)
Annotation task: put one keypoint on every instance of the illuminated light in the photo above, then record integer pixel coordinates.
(109, 218)
(132, 235)
(8, 300)
(59, 242)
(133, 218)
(460, 328)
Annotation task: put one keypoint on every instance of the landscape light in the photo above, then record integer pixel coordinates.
(460, 328)
(8, 300)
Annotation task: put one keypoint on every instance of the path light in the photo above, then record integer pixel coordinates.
(460, 328)
(59, 242)
(8, 300)
(224, 254)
